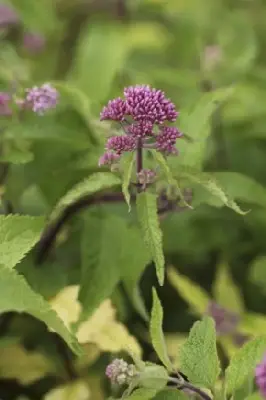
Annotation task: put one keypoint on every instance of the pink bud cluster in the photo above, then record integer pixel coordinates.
(143, 115)
(120, 372)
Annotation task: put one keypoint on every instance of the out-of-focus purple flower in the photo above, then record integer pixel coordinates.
(108, 158)
(115, 110)
(41, 99)
(33, 42)
(140, 129)
(120, 144)
(147, 104)
(120, 372)
(8, 16)
(146, 176)
(260, 373)
(166, 139)
(240, 339)
(5, 109)
(225, 321)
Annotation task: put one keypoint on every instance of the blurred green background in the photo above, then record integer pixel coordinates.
(184, 48)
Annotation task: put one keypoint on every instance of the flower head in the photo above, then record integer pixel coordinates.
(166, 139)
(120, 144)
(108, 158)
(146, 176)
(41, 99)
(115, 110)
(225, 320)
(260, 373)
(5, 99)
(120, 372)
(147, 104)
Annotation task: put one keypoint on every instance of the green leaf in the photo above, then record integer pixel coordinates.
(196, 124)
(94, 70)
(94, 183)
(128, 164)
(152, 234)
(171, 394)
(193, 294)
(18, 234)
(239, 186)
(198, 355)
(153, 377)
(243, 363)
(17, 295)
(226, 293)
(139, 259)
(156, 331)
(142, 394)
(103, 258)
(209, 182)
(16, 153)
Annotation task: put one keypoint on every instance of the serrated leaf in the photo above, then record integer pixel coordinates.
(142, 394)
(193, 294)
(103, 258)
(94, 183)
(18, 234)
(198, 356)
(210, 183)
(244, 362)
(77, 390)
(89, 62)
(196, 124)
(17, 295)
(152, 234)
(128, 164)
(226, 293)
(156, 331)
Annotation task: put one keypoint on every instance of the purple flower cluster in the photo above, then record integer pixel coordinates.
(260, 373)
(33, 42)
(143, 115)
(120, 372)
(225, 321)
(8, 16)
(41, 99)
(5, 100)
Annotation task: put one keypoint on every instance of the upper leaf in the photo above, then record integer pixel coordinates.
(148, 219)
(156, 331)
(198, 356)
(196, 297)
(90, 185)
(17, 295)
(128, 164)
(142, 394)
(103, 258)
(170, 394)
(244, 362)
(226, 293)
(18, 234)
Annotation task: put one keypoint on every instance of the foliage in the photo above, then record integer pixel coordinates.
(96, 263)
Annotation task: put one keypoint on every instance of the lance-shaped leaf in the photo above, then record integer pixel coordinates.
(152, 234)
(128, 164)
(156, 331)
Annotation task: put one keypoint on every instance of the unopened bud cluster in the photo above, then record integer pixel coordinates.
(120, 372)
(143, 114)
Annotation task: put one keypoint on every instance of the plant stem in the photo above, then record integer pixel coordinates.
(203, 395)
(139, 163)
